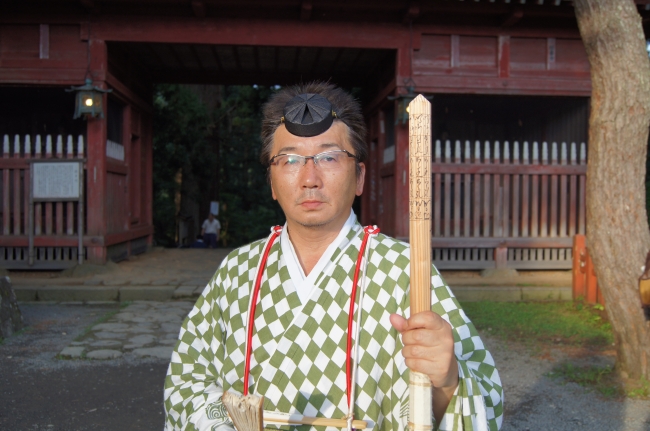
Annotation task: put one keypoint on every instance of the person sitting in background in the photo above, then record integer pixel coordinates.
(210, 231)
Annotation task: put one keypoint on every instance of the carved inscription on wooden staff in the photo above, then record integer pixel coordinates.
(420, 166)
(420, 401)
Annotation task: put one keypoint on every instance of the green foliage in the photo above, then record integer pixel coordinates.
(557, 322)
(182, 130)
(213, 138)
(641, 389)
(248, 210)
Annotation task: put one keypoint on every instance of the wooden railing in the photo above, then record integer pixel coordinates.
(507, 205)
(55, 223)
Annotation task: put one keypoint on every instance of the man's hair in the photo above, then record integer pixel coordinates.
(347, 108)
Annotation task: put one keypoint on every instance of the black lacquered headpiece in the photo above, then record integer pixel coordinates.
(308, 115)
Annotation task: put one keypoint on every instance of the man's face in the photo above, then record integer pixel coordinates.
(312, 197)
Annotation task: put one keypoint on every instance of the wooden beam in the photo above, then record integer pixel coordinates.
(504, 56)
(44, 43)
(380, 98)
(199, 9)
(73, 240)
(513, 18)
(411, 14)
(305, 10)
(494, 242)
(43, 76)
(90, 6)
(252, 32)
(127, 94)
(269, 33)
(135, 233)
(533, 85)
(480, 168)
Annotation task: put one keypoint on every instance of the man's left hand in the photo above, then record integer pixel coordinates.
(429, 348)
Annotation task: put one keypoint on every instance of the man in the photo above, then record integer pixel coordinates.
(210, 231)
(314, 147)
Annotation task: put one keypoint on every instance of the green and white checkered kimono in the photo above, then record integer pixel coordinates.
(298, 360)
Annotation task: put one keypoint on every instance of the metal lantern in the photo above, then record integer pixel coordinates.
(89, 100)
(403, 101)
(403, 107)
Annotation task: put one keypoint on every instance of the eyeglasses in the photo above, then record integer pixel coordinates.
(325, 161)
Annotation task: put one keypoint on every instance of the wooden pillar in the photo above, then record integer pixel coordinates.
(579, 262)
(591, 281)
(401, 228)
(366, 212)
(96, 162)
(132, 170)
(501, 257)
(146, 145)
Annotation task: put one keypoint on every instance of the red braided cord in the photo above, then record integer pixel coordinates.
(251, 316)
(368, 230)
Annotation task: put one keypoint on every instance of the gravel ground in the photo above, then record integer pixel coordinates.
(39, 392)
(534, 401)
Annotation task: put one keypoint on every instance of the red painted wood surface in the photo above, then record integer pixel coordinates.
(457, 185)
(502, 64)
(458, 59)
(400, 179)
(437, 191)
(445, 59)
(579, 282)
(585, 282)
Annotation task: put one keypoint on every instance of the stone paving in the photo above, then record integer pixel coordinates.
(141, 329)
(161, 286)
(159, 275)
(166, 274)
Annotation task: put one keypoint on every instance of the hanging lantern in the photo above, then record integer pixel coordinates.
(88, 100)
(403, 101)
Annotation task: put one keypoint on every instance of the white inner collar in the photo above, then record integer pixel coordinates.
(305, 284)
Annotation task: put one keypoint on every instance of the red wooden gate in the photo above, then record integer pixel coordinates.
(501, 205)
(55, 223)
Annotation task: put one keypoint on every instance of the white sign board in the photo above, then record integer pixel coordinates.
(59, 180)
(214, 207)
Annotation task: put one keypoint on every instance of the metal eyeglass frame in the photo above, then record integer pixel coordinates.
(314, 157)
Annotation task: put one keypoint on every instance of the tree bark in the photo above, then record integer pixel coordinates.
(617, 228)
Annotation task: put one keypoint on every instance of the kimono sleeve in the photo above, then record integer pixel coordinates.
(192, 388)
(477, 404)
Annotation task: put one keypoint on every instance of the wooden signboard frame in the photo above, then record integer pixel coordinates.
(71, 169)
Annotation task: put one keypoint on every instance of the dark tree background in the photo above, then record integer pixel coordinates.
(206, 148)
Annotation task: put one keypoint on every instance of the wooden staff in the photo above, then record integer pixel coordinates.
(420, 398)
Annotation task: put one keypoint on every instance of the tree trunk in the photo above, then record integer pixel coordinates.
(617, 226)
